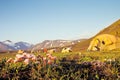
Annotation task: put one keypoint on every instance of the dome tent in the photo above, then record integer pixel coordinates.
(103, 42)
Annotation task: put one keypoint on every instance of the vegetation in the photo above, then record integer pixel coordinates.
(69, 66)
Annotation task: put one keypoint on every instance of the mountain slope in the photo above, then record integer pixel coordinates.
(23, 45)
(113, 29)
(56, 43)
(11, 46)
(52, 43)
(3, 47)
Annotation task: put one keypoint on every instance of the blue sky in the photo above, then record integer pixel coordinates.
(36, 20)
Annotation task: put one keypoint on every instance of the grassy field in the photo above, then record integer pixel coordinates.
(69, 66)
(96, 55)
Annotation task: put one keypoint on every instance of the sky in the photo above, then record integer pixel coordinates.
(34, 21)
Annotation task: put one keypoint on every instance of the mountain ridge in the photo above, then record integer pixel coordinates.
(11, 46)
(55, 43)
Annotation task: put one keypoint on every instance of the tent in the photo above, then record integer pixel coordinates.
(20, 51)
(66, 50)
(103, 42)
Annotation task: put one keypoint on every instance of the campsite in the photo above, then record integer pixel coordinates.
(59, 39)
(98, 60)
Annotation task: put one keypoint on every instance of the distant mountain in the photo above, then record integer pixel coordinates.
(55, 43)
(11, 46)
(113, 29)
(3, 47)
(23, 45)
(8, 42)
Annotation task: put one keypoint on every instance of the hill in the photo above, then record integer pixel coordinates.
(113, 29)
(55, 43)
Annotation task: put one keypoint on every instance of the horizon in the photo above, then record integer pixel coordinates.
(35, 21)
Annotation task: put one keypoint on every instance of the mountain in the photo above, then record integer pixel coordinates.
(3, 47)
(23, 45)
(8, 42)
(113, 29)
(11, 46)
(55, 43)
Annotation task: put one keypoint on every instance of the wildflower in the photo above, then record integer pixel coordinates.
(49, 62)
(26, 61)
(10, 60)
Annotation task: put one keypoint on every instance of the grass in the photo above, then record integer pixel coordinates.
(96, 55)
(70, 66)
(7, 55)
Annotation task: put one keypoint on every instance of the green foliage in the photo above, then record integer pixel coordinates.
(69, 66)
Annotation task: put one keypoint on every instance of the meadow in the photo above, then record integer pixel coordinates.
(103, 65)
